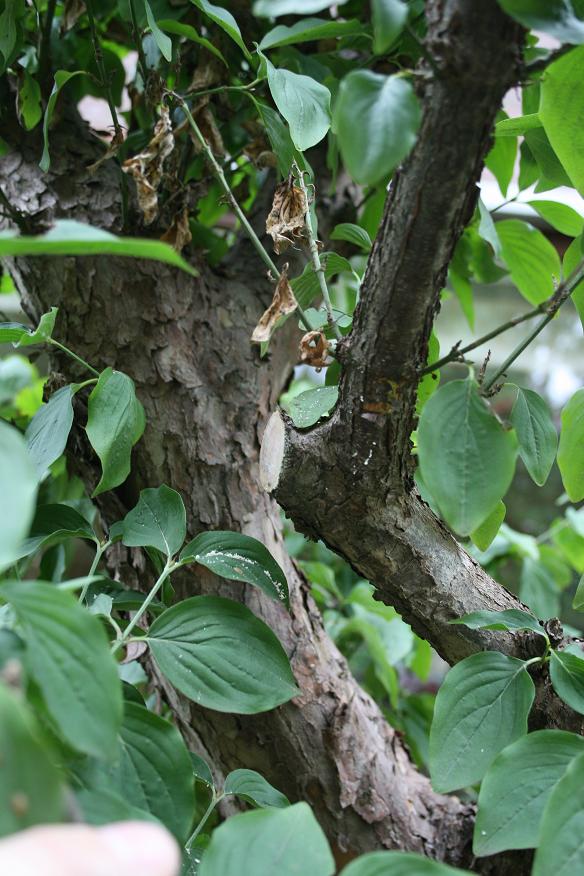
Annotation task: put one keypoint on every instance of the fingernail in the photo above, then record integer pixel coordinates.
(140, 847)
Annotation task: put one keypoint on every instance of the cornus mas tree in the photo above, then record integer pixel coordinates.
(284, 183)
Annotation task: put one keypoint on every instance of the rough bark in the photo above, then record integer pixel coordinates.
(207, 396)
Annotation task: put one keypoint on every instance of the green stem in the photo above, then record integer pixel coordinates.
(218, 170)
(86, 383)
(169, 567)
(138, 41)
(456, 353)
(316, 263)
(73, 355)
(101, 548)
(204, 820)
(561, 295)
(222, 88)
(533, 660)
(119, 136)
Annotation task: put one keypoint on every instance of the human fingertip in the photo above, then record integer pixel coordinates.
(140, 847)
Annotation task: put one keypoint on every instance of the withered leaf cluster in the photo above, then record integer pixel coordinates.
(147, 167)
(314, 349)
(283, 303)
(286, 220)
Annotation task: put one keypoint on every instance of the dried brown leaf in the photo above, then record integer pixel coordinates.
(179, 233)
(72, 10)
(283, 303)
(286, 218)
(112, 149)
(147, 166)
(314, 349)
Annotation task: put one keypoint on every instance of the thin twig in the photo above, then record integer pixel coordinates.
(561, 295)
(456, 354)
(138, 41)
(316, 263)
(221, 88)
(219, 174)
(105, 84)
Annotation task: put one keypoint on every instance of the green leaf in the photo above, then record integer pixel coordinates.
(163, 42)
(517, 126)
(29, 103)
(42, 333)
(484, 534)
(387, 113)
(52, 524)
(532, 420)
(578, 602)
(567, 676)
(572, 260)
(532, 260)
(159, 520)
(31, 790)
(501, 158)
(201, 770)
(308, 30)
(570, 457)
(239, 558)
(466, 458)
(69, 658)
(47, 433)
(389, 16)
(353, 234)
(62, 77)
(550, 170)
(69, 237)
(538, 590)
(510, 619)
(253, 788)
(561, 217)
(304, 103)
(286, 841)
(397, 864)
(115, 422)
(279, 137)
(487, 229)
(221, 656)
(481, 707)
(561, 109)
(561, 841)
(556, 17)
(429, 382)
(101, 806)
(154, 771)
(307, 408)
(18, 488)
(306, 287)
(225, 20)
(275, 8)
(189, 32)
(516, 788)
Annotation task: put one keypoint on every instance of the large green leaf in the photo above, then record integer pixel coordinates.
(353, 234)
(221, 656)
(154, 772)
(538, 441)
(567, 675)
(561, 109)
(485, 533)
(47, 433)
(532, 260)
(304, 103)
(389, 16)
(159, 520)
(481, 707)
(275, 8)
(288, 841)
(307, 30)
(564, 219)
(163, 42)
(18, 487)
(225, 20)
(115, 422)
(570, 456)
(510, 619)
(239, 558)
(69, 237)
(309, 407)
(556, 17)
(561, 839)
(397, 864)
(467, 459)
(387, 114)
(69, 658)
(516, 788)
(186, 30)
(52, 524)
(538, 590)
(253, 788)
(31, 790)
